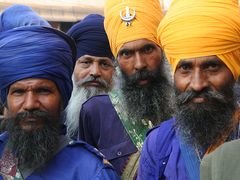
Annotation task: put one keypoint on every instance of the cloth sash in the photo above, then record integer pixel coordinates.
(192, 163)
(136, 131)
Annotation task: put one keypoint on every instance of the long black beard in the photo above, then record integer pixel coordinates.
(202, 125)
(34, 148)
(151, 102)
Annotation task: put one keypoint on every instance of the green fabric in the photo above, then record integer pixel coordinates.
(137, 131)
(223, 163)
(131, 168)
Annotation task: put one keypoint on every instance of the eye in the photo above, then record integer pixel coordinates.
(44, 90)
(184, 68)
(212, 66)
(106, 65)
(148, 49)
(85, 63)
(125, 53)
(17, 92)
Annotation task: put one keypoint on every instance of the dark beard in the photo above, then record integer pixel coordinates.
(34, 148)
(203, 124)
(151, 102)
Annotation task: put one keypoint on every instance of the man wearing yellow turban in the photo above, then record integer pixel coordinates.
(117, 123)
(201, 40)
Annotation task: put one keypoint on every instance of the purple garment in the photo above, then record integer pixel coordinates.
(161, 157)
(100, 126)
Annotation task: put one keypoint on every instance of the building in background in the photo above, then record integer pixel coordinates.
(60, 13)
(63, 13)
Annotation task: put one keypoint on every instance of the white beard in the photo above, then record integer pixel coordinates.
(78, 97)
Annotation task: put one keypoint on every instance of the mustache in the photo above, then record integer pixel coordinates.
(139, 75)
(185, 97)
(89, 79)
(38, 114)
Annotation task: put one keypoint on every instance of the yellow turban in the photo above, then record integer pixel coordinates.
(195, 28)
(143, 26)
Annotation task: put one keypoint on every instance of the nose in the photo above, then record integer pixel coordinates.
(140, 62)
(95, 70)
(199, 81)
(31, 102)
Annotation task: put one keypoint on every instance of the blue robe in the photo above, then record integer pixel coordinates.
(161, 156)
(164, 155)
(77, 160)
(100, 126)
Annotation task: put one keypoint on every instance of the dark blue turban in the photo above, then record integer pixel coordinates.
(20, 15)
(90, 37)
(36, 52)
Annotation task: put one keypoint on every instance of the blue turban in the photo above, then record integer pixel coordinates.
(90, 37)
(20, 15)
(36, 52)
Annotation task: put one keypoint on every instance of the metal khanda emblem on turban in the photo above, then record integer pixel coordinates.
(129, 15)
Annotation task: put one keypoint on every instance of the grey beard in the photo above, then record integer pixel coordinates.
(35, 148)
(201, 125)
(79, 95)
(151, 102)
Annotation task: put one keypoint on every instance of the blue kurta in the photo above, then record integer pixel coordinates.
(161, 156)
(100, 126)
(166, 156)
(77, 160)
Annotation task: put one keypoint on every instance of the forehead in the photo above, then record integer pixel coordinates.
(200, 60)
(137, 44)
(93, 58)
(34, 82)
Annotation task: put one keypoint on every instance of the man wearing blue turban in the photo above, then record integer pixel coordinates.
(36, 65)
(94, 69)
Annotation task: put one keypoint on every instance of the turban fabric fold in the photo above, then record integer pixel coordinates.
(36, 52)
(143, 26)
(20, 15)
(90, 37)
(196, 28)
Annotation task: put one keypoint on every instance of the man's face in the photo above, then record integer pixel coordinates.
(145, 81)
(94, 71)
(139, 55)
(35, 94)
(204, 98)
(200, 73)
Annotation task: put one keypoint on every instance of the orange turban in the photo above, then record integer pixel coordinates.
(143, 26)
(195, 28)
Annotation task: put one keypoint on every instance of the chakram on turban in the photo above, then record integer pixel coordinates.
(147, 17)
(90, 37)
(196, 28)
(36, 52)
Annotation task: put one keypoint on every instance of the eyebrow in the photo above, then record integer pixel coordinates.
(124, 50)
(184, 63)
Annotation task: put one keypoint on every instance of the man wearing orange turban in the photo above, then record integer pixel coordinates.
(117, 123)
(201, 40)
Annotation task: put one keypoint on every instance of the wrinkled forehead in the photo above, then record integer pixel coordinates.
(94, 58)
(136, 44)
(200, 60)
(34, 83)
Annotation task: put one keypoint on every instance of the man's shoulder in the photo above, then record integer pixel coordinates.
(163, 128)
(222, 163)
(159, 139)
(227, 150)
(97, 100)
(86, 152)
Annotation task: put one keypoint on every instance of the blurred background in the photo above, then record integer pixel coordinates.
(62, 14)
